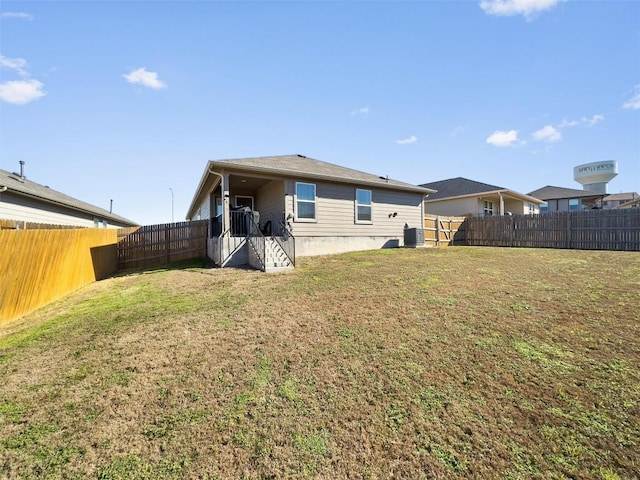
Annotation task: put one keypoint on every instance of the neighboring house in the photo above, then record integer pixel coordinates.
(616, 200)
(631, 204)
(26, 201)
(463, 197)
(267, 207)
(559, 199)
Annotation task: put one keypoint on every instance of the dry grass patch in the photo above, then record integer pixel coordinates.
(451, 363)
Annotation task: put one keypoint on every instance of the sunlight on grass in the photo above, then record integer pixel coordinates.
(442, 363)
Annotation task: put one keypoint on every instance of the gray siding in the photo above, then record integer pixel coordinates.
(16, 207)
(270, 199)
(204, 210)
(453, 208)
(335, 212)
(460, 207)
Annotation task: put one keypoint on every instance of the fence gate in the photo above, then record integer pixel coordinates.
(442, 231)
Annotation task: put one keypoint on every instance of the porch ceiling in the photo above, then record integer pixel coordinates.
(246, 182)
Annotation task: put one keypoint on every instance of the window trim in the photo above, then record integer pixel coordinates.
(576, 204)
(245, 197)
(486, 209)
(370, 205)
(314, 202)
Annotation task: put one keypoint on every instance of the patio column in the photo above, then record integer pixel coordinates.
(224, 188)
(501, 204)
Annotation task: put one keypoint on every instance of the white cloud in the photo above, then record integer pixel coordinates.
(22, 15)
(503, 138)
(16, 64)
(593, 120)
(634, 102)
(360, 111)
(589, 121)
(20, 92)
(526, 8)
(456, 131)
(547, 134)
(405, 141)
(144, 77)
(568, 123)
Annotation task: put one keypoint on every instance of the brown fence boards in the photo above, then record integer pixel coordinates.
(39, 266)
(154, 245)
(22, 225)
(442, 231)
(616, 229)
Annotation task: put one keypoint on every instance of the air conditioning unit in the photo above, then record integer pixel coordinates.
(413, 237)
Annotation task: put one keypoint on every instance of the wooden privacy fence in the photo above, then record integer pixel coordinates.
(154, 245)
(617, 229)
(443, 231)
(22, 225)
(39, 266)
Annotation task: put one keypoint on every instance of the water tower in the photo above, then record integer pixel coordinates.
(596, 175)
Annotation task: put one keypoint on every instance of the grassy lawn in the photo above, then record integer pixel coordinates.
(434, 363)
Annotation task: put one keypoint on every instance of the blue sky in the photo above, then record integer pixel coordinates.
(128, 100)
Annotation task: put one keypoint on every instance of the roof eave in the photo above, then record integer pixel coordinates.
(280, 173)
(521, 196)
(203, 181)
(119, 220)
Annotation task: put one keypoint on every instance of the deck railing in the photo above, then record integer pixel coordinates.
(281, 233)
(244, 227)
(255, 238)
(233, 237)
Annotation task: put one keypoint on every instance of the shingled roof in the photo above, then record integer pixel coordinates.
(552, 193)
(23, 186)
(301, 166)
(458, 187)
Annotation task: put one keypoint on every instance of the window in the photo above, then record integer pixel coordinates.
(574, 204)
(363, 206)
(544, 207)
(305, 201)
(488, 208)
(244, 201)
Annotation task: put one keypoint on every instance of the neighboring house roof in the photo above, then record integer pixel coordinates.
(631, 204)
(552, 193)
(23, 186)
(299, 166)
(617, 197)
(463, 187)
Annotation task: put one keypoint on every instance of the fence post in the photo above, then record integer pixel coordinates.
(513, 231)
(569, 230)
(437, 222)
(166, 241)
